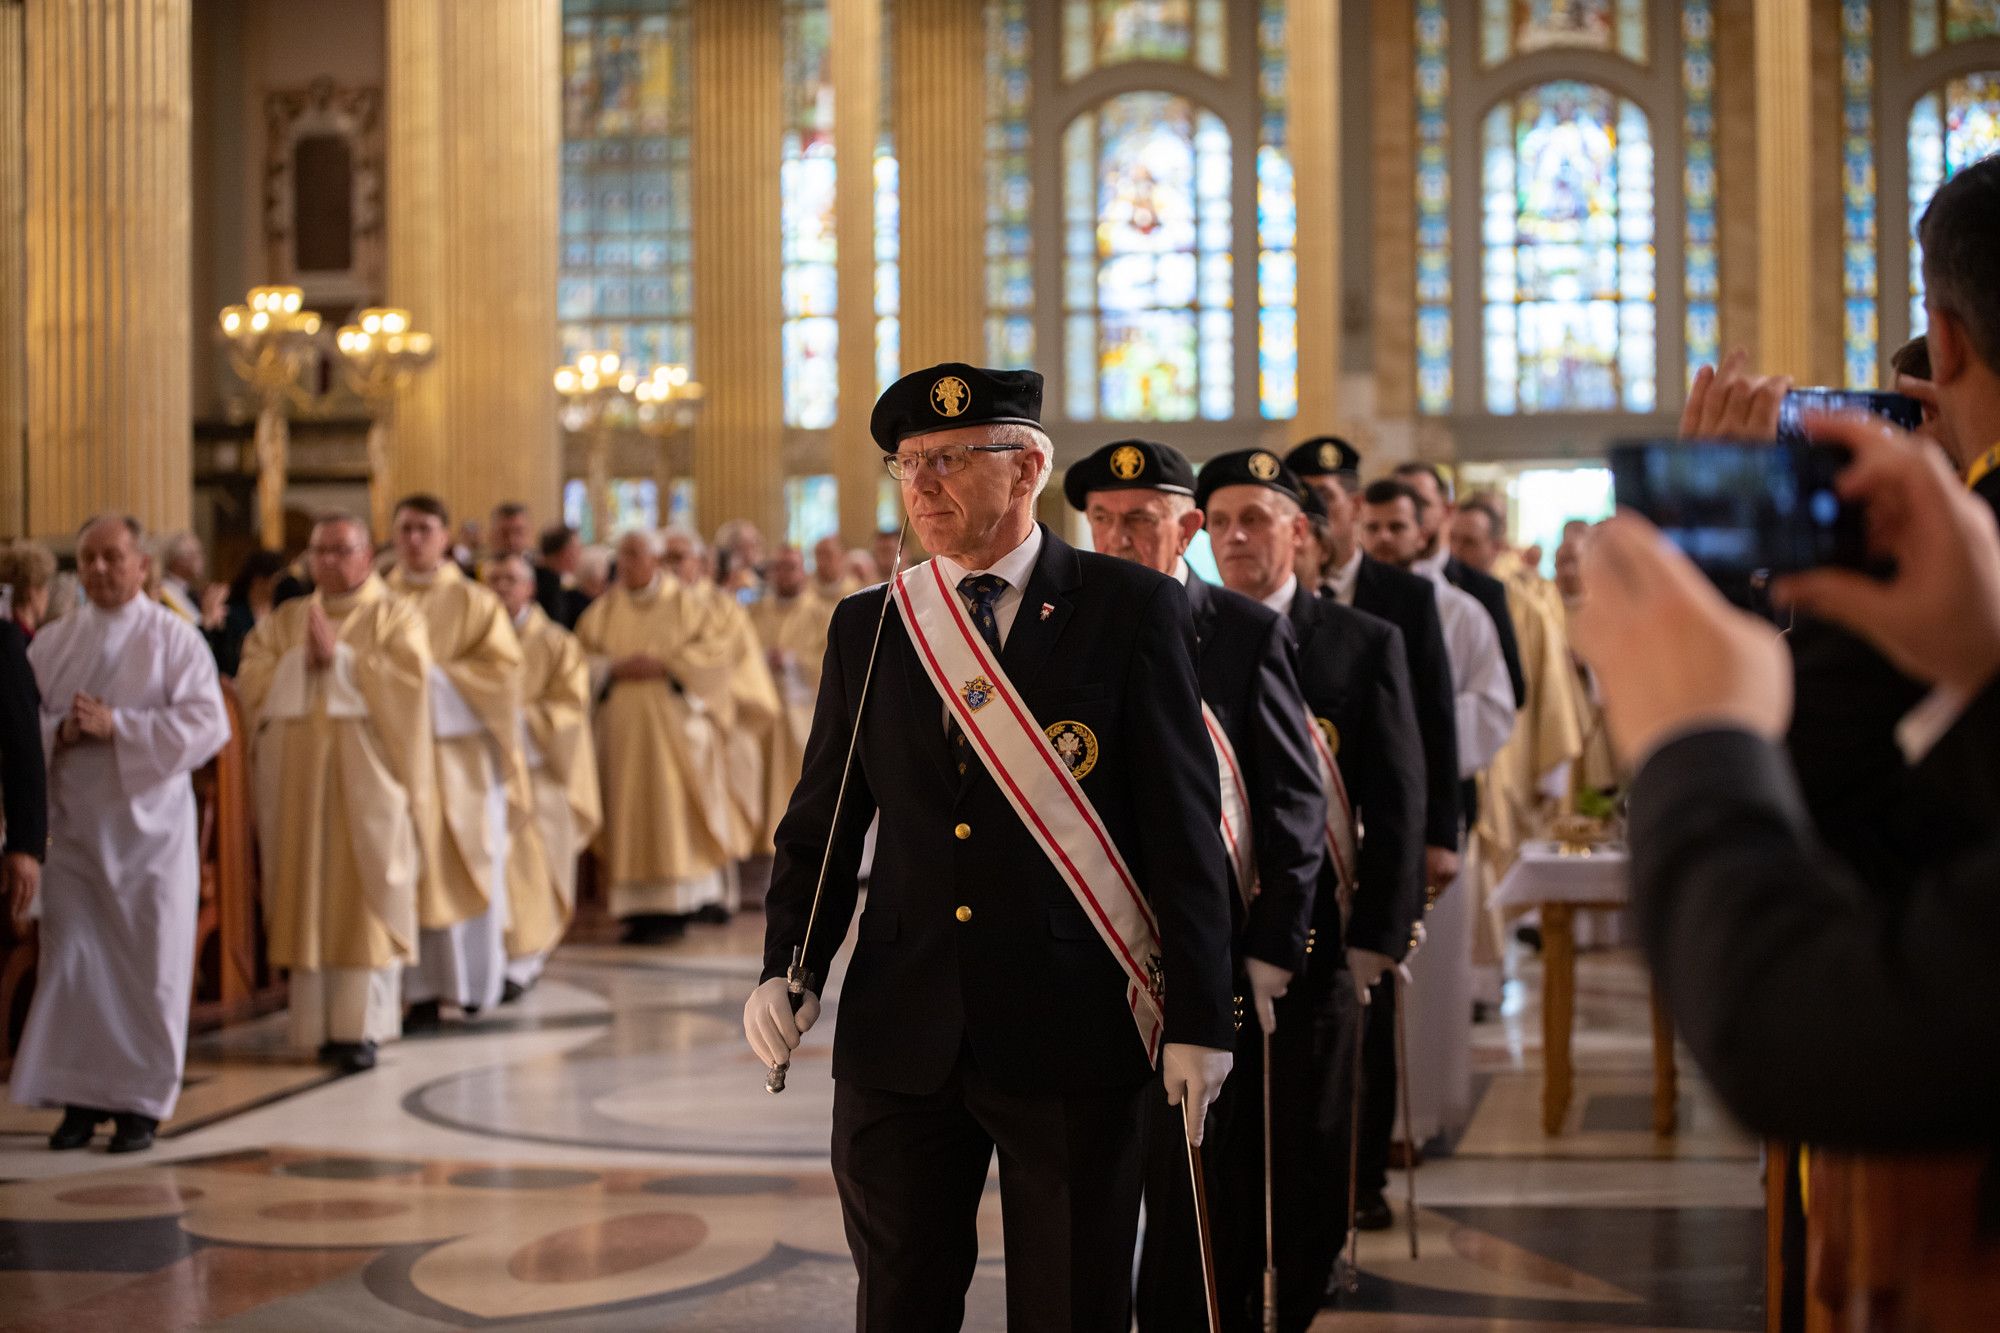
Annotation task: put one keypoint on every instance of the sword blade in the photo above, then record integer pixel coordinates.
(1409, 1143)
(1270, 1208)
(1188, 1112)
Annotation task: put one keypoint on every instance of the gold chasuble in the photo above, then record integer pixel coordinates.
(752, 715)
(562, 774)
(667, 829)
(474, 650)
(343, 772)
(793, 632)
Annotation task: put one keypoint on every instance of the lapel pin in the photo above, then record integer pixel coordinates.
(1048, 609)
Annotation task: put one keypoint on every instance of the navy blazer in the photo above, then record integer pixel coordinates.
(1409, 602)
(1023, 984)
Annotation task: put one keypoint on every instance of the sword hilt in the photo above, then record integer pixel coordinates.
(798, 980)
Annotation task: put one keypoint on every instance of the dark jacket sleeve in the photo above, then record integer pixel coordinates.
(804, 832)
(1819, 1011)
(1287, 807)
(1181, 863)
(23, 778)
(1436, 706)
(1382, 775)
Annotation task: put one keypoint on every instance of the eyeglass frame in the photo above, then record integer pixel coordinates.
(932, 457)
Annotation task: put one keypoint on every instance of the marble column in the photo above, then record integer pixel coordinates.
(1784, 179)
(1313, 86)
(13, 272)
(738, 236)
(474, 152)
(107, 245)
(857, 114)
(1392, 71)
(940, 60)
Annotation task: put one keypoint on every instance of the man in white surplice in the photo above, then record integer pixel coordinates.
(130, 707)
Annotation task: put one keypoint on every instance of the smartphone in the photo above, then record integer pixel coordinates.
(1899, 409)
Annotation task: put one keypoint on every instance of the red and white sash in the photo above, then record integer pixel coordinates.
(1235, 808)
(1339, 814)
(1038, 784)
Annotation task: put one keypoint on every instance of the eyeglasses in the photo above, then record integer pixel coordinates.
(952, 458)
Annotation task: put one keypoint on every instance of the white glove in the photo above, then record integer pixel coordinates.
(1368, 967)
(1268, 982)
(773, 1029)
(1194, 1074)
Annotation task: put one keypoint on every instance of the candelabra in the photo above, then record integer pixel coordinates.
(669, 403)
(383, 355)
(271, 343)
(592, 389)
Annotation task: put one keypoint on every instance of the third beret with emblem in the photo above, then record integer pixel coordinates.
(951, 395)
(1247, 467)
(1129, 465)
(1324, 456)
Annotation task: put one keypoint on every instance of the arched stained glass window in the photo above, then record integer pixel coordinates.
(1859, 334)
(1568, 234)
(625, 280)
(1701, 279)
(811, 329)
(1147, 270)
(888, 223)
(1935, 23)
(1277, 227)
(1097, 33)
(1950, 129)
(1509, 28)
(1433, 37)
(1010, 191)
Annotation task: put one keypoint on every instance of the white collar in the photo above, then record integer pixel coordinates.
(1342, 580)
(1016, 566)
(1432, 566)
(522, 619)
(1281, 600)
(1181, 571)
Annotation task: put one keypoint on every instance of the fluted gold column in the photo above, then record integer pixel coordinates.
(1393, 76)
(940, 52)
(1313, 86)
(857, 111)
(738, 303)
(107, 261)
(1784, 196)
(474, 153)
(13, 273)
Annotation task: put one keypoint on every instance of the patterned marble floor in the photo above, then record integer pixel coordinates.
(602, 1156)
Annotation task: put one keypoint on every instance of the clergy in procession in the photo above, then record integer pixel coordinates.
(749, 711)
(1048, 914)
(661, 663)
(1139, 499)
(832, 580)
(561, 760)
(336, 697)
(1355, 678)
(482, 788)
(791, 621)
(130, 707)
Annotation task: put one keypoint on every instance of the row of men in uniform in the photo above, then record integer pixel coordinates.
(1195, 802)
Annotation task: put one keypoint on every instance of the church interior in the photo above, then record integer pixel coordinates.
(647, 265)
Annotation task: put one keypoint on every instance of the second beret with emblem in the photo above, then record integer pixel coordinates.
(951, 395)
(1324, 456)
(1247, 467)
(1129, 465)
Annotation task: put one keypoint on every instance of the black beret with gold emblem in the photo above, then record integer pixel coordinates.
(1324, 456)
(952, 395)
(1129, 465)
(1247, 467)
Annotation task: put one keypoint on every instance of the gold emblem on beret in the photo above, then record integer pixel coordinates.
(950, 396)
(1075, 745)
(1263, 467)
(1329, 457)
(1332, 735)
(1127, 463)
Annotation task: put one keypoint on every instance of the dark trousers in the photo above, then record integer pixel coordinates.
(1312, 1091)
(1378, 1086)
(911, 1170)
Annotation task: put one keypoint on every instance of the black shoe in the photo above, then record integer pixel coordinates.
(512, 991)
(715, 914)
(134, 1132)
(653, 928)
(351, 1057)
(423, 1016)
(1372, 1213)
(78, 1128)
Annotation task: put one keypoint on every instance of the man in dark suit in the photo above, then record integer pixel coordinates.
(1353, 674)
(23, 777)
(982, 1007)
(1139, 499)
(1436, 515)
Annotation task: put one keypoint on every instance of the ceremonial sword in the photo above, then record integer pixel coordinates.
(797, 979)
(1409, 1141)
(1189, 1118)
(1351, 1279)
(1270, 1209)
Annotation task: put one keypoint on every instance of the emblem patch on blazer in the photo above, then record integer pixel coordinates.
(950, 396)
(1156, 977)
(977, 693)
(1127, 463)
(1332, 734)
(1075, 745)
(1263, 467)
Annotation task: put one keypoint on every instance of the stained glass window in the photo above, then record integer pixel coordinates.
(1277, 227)
(1857, 189)
(625, 281)
(1948, 22)
(1950, 129)
(812, 509)
(888, 224)
(1147, 264)
(1097, 33)
(811, 329)
(1010, 193)
(1700, 280)
(635, 504)
(1434, 388)
(1568, 234)
(1509, 28)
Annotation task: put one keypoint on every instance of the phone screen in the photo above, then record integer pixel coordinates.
(1899, 409)
(1742, 510)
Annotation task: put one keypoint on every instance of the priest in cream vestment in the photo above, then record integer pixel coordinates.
(335, 690)
(662, 662)
(791, 621)
(561, 760)
(130, 707)
(482, 787)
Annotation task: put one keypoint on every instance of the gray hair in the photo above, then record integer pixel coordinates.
(655, 542)
(132, 526)
(689, 535)
(594, 562)
(1034, 441)
(334, 517)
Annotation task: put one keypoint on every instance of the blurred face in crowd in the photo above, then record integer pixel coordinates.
(513, 534)
(828, 557)
(967, 512)
(861, 568)
(683, 561)
(746, 548)
(1438, 512)
(110, 564)
(184, 559)
(1151, 528)
(787, 572)
(565, 560)
(638, 565)
(1472, 538)
(338, 557)
(511, 582)
(421, 540)
(1390, 532)
(1256, 535)
(1343, 507)
(886, 544)
(1569, 560)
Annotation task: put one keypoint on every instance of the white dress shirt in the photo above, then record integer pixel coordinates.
(1016, 567)
(1341, 583)
(1281, 600)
